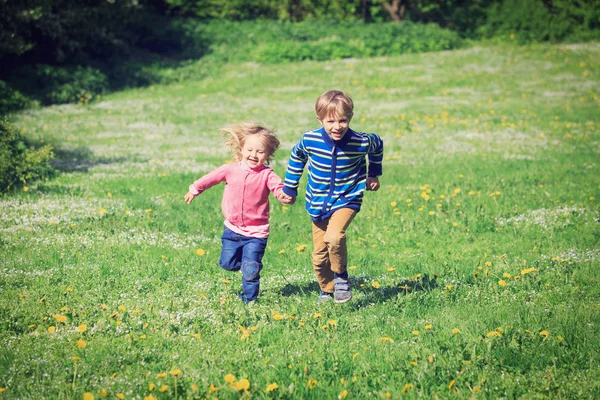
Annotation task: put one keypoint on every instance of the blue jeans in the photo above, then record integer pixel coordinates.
(245, 253)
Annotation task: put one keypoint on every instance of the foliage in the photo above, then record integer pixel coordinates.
(20, 162)
(11, 99)
(57, 85)
(274, 42)
(537, 20)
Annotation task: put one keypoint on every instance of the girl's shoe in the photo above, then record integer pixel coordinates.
(342, 292)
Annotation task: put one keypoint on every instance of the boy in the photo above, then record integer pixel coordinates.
(338, 175)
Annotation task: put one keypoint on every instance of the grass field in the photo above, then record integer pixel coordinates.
(474, 268)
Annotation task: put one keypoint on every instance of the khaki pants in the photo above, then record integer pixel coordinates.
(330, 252)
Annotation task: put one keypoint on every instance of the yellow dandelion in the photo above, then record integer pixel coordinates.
(272, 386)
(413, 363)
(243, 384)
(82, 328)
(415, 332)
(355, 355)
(122, 308)
(60, 318)
(226, 281)
(527, 271)
(194, 387)
(120, 396)
(393, 204)
(281, 251)
(151, 386)
(88, 396)
(386, 339)
(560, 338)
(277, 316)
(200, 252)
(103, 393)
(317, 315)
(455, 331)
(343, 394)
(507, 275)
(502, 282)
(352, 267)
(493, 334)
(488, 263)
(212, 389)
(51, 329)
(544, 333)
(431, 212)
(149, 397)
(451, 384)
(428, 327)
(81, 344)
(332, 322)
(229, 378)
(163, 388)
(311, 383)
(301, 248)
(175, 372)
(376, 285)
(407, 387)
(390, 269)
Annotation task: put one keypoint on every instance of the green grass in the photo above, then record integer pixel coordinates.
(491, 178)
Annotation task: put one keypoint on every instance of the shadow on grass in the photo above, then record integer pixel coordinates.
(362, 284)
(79, 159)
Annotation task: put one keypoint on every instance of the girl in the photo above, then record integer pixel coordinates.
(245, 201)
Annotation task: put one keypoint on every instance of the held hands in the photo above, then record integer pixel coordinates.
(188, 197)
(373, 183)
(284, 198)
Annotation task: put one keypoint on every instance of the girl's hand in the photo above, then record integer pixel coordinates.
(373, 183)
(188, 197)
(284, 198)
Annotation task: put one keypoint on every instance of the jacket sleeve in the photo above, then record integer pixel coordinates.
(209, 180)
(295, 167)
(274, 183)
(375, 155)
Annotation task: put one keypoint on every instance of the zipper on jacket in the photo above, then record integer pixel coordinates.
(332, 183)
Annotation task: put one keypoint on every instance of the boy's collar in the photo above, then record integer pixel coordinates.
(332, 142)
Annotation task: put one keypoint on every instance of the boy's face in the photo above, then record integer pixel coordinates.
(336, 125)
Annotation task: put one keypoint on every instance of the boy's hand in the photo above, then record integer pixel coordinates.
(188, 197)
(373, 183)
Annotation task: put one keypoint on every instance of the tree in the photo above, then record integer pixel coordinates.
(396, 9)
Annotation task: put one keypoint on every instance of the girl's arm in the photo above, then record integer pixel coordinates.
(275, 185)
(206, 182)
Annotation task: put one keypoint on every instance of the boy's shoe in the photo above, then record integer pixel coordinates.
(324, 297)
(342, 292)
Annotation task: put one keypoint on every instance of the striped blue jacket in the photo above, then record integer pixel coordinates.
(337, 170)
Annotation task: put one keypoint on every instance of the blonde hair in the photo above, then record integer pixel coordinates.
(334, 102)
(236, 135)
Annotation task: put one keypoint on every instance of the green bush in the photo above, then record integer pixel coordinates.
(538, 21)
(273, 41)
(20, 162)
(58, 85)
(11, 99)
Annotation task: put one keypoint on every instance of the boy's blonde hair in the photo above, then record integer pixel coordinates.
(236, 137)
(334, 102)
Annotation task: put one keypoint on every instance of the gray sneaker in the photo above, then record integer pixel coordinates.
(342, 292)
(324, 297)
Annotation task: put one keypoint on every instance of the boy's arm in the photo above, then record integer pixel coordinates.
(296, 163)
(375, 155)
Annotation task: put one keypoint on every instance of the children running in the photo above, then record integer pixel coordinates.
(245, 202)
(338, 175)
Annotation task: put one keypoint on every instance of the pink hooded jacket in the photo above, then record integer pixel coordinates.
(245, 202)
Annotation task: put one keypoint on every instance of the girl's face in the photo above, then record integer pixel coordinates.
(254, 152)
(336, 126)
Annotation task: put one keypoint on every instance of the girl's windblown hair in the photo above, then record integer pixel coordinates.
(236, 135)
